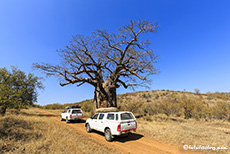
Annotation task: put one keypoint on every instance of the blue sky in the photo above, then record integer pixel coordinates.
(193, 42)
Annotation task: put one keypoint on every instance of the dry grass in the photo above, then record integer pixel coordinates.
(28, 132)
(57, 111)
(207, 117)
(178, 131)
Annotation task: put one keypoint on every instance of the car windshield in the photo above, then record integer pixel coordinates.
(95, 116)
(76, 111)
(126, 116)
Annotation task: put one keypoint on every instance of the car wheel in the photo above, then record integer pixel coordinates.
(67, 120)
(88, 129)
(108, 135)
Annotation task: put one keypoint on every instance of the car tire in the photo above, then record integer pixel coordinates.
(108, 135)
(88, 129)
(67, 120)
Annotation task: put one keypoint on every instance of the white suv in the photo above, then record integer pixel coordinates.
(112, 123)
(72, 114)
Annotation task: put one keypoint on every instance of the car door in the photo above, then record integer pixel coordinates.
(93, 121)
(100, 122)
(64, 114)
(68, 113)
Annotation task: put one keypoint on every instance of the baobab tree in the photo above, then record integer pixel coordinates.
(107, 61)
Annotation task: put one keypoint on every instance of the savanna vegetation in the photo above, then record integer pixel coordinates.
(17, 89)
(170, 103)
(173, 117)
(179, 131)
(179, 104)
(28, 132)
(176, 117)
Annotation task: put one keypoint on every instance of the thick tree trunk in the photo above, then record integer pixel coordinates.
(105, 96)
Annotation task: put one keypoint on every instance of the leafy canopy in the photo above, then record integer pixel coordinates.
(17, 89)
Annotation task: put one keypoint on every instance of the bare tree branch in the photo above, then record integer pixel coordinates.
(105, 59)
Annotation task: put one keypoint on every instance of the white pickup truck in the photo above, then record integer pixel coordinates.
(112, 123)
(72, 114)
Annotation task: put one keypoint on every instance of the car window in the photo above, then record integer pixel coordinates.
(69, 111)
(101, 116)
(110, 116)
(126, 116)
(95, 116)
(76, 111)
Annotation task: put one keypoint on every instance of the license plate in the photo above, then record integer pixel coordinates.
(127, 131)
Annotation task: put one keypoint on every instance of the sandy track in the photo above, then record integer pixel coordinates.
(134, 144)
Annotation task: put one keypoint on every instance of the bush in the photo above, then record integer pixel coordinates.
(87, 106)
(150, 109)
(135, 107)
(157, 96)
(53, 106)
(222, 110)
(169, 106)
(188, 104)
(200, 109)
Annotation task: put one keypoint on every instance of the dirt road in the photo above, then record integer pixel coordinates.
(134, 144)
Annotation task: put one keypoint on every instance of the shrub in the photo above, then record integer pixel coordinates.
(169, 106)
(197, 91)
(53, 106)
(150, 109)
(199, 110)
(222, 110)
(188, 105)
(174, 95)
(87, 106)
(135, 107)
(157, 96)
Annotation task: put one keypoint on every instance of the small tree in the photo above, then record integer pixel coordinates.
(107, 60)
(17, 89)
(197, 91)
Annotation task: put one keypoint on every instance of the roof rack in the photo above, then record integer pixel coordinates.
(72, 107)
(108, 109)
